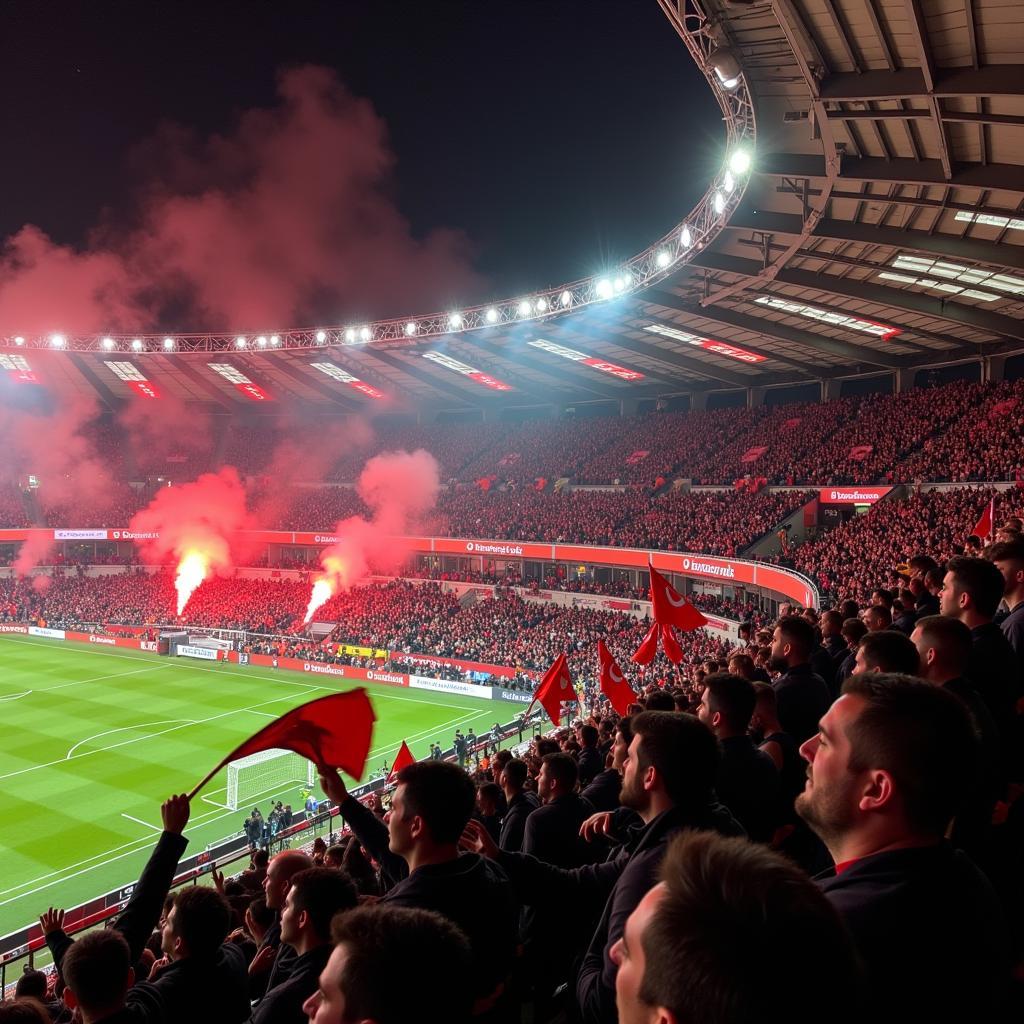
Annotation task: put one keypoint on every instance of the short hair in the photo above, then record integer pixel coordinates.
(442, 794)
(660, 700)
(260, 912)
(95, 969)
(31, 985)
(832, 615)
(981, 580)
(934, 577)
(890, 651)
(733, 919)
(624, 727)
(433, 953)
(683, 751)
(1007, 551)
(588, 735)
(922, 563)
(951, 637)
(885, 596)
(922, 736)
(732, 697)
(849, 609)
(24, 1010)
(202, 919)
(880, 611)
(321, 893)
(334, 855)
(261, 858)
(516, 771)
(563, 768)
(764, 693)
(491, 791)
(744, 664)
(501, 758)
(798, 632)
(854, 629)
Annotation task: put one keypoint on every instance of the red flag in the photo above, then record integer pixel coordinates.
(555, 687)
(985, 525)
(333, 731)
(673, 651)
(403, 759)
(670, 607)
(645, 653)
(613, 683)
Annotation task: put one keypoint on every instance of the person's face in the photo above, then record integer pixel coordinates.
(703, 709)
(633, 793)
(275, 885)
(619, 750)
(169, 944)
(778, 646)
(628, 955)
(830, 798)
(917, 638)
(327, 1004)
(291, 919)
(858, 662)
(544, 784)
(400, 831)
(1013, 576)
(949, 597)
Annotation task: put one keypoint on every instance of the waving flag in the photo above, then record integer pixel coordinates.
(613, 683)
(334, 731)
(403, 759)
(555, 689)
(670, 607)
(648, 650)
(986, 524)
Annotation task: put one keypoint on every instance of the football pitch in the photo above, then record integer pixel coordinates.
(94, 741)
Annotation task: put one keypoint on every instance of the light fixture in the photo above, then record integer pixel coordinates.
(491, 316)
(57, 340)
(686, 238)
(275, 340)
(240, 342)
(19, 340)
(136, 344)
(728, 183)
(108, 343)
(718, 202)
(566, 298)
(603, 288)
(525, 309)
(350, 335)
(739, 162)
(542, 305)
(455, 321)
(261, 341)
(364, 334)
(410, 329)
(321, 337)
(168, 343)
(662, 259)
(726, 67)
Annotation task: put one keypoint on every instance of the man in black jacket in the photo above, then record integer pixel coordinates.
(521, 803)
(419, 848)
(887, 770)
(314, 897)
(669, 778)
(590, 761)
(603, 792)
(802, 694)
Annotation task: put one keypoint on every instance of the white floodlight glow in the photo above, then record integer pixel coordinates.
(686, 238)
(275, 340)
(542, 305)
(57, 340)
(108, 343)
(662, 259)
(455, 321)
(619, 283)
(739, 162)
(728, 183)
(566, 298)
(321, 337)
(350, 335)
(718, 202)
(19, 340)
(262, 341)
(525, 309)
(990, 220)
(168, 343)
(240, 342)
(491, 316)
(730, 83)
(365, 334)
(603, 288)
(137, 344)
(411, 328)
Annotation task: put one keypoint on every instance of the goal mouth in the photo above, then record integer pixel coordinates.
(269, 771)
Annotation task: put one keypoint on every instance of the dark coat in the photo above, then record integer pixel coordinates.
(802, 698)
(590, 762)
(748, 784)
(513, 825)
(930, 933)
(283, 1003)
(603, 792)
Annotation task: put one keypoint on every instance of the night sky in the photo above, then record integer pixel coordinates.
(558, 135)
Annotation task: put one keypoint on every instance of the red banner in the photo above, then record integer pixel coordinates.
(852, 495)
(858, 453)
(636, 457)
(753, 454)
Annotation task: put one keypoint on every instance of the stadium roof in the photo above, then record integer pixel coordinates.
(879, 228)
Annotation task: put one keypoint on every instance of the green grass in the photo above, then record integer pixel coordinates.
(92, 736)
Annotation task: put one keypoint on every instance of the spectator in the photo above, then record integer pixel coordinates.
(520, 803)
(726, 923)
(887, 770)
(1008, 558)
(887, 651)
(590, 761)
(747, 782)
(603, 792)
(877, 618)
(801, 694)
(432, 956)
(314, 897)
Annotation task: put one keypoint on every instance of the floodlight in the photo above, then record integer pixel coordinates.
(603, 288)
(57, 340)
(739, 162)
(719, 202)
(364, 334)
(726, 66)
(492, 316)
(240, 342)
(411, 328)
(137, 344)
(168, 343)
(542, 304)
(321, 337)
(455, 321)
(261, 341)
(275, 340)
(350, 335)
(663, 259)
(108, 343)
(686, 238)
(525, 309)
(566, 298)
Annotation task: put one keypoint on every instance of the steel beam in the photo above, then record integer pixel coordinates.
(910, 83)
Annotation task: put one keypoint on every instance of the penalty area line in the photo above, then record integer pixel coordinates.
(139, 821)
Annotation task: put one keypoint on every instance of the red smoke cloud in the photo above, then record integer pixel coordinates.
(400, 488)
(198, 517)
(155, 429)
(288, 216)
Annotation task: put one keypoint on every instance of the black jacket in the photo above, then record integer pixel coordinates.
(283, 1003)
(513, 825)
(929, 931)
(553, 832)
(620, 882)
(603, 792)
(470, 891)
(590, 762)
(995, 672)
(748, 784)
(802, 699)
(195, 992)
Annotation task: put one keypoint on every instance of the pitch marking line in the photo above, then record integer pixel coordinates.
(137, 844)
(138, 821)
(124, 728)
(96, 679)
(16, 696)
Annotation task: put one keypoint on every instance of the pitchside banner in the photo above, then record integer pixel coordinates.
(450, 686)
(203, 653)
(852, 495)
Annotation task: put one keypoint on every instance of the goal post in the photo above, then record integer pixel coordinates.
(269, 771)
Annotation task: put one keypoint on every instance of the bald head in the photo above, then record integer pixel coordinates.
(283, 868)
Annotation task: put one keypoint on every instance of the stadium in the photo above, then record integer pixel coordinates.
(699, 580)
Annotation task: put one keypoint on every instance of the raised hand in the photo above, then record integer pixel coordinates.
(331, 783)
(52, 921)
(596, 826)
(175, 811)
(476, 839)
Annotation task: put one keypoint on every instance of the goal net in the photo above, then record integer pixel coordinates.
(270, 771)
